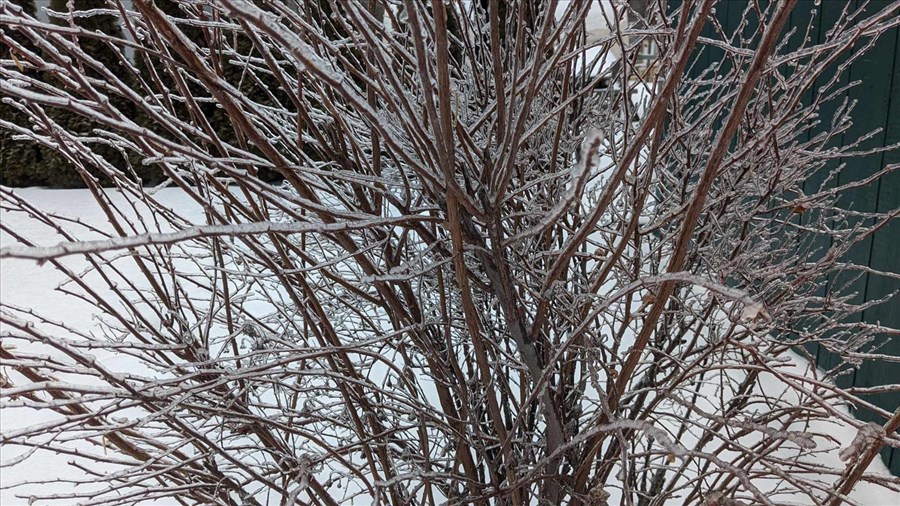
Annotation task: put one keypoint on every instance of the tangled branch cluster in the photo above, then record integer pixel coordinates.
(500, 269)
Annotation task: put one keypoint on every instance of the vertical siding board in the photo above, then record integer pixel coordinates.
(874, 69)
(870, 96)
(878, 106)
(829, 13)
(883, 256)
(804, 28)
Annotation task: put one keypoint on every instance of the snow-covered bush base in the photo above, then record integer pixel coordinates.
(511, 261)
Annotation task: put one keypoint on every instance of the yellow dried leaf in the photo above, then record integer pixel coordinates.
(17, 62)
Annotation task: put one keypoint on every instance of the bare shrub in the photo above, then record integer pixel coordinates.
(501, 269)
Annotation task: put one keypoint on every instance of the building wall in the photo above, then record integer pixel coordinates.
(877, 98)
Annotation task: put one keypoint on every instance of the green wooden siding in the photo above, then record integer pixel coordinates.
(877, 98)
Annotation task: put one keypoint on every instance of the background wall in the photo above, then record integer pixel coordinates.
(877, 106)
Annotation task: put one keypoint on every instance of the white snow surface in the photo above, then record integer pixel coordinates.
(26, 284)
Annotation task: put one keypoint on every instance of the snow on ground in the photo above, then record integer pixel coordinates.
(26, 284)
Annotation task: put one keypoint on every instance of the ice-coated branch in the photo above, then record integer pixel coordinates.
(424, 252)
(42, 253)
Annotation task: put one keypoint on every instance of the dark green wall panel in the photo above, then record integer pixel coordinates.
(877, 106)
